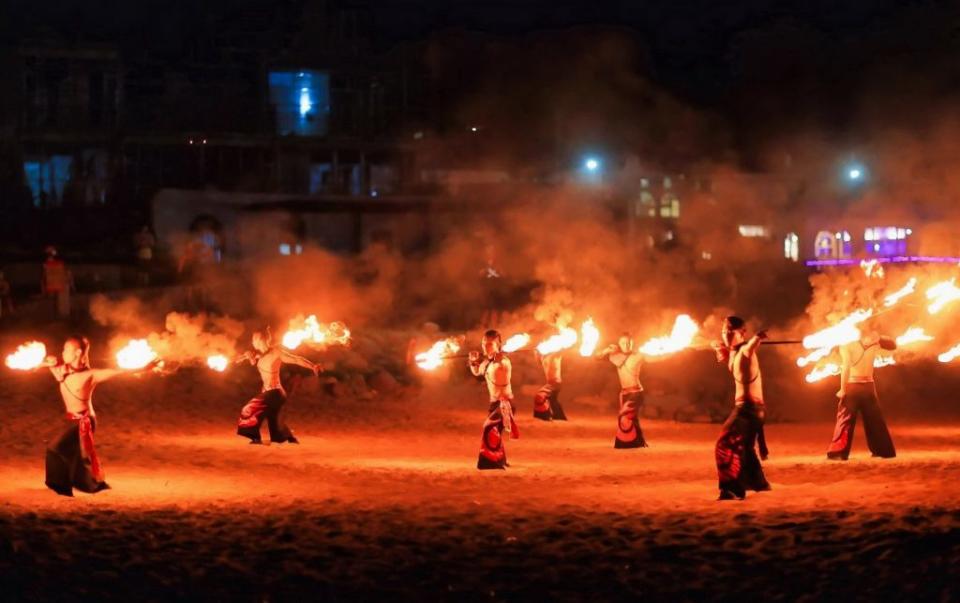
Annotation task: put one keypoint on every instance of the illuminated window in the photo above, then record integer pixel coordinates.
(753, 231)
(887, 240)
(791, 247)
(301, 102)
(669, 206)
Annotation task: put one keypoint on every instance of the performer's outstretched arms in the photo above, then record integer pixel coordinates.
(751, 346)
(101, 375)
(476, 366)
(290, 358)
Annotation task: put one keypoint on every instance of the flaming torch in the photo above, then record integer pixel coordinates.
(27, 357)
(942, 294)
(913, 335)
(872, 268)
(136, 354)
(684, 330)
(822, 372)
(566, 338)
(589, 338)
(950, 355)
(906, 290)
(841, 333)
(433, 358)
(218, 362)
(516, 342)
(310, 330)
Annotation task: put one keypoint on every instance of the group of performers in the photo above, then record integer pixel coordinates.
(72, 462)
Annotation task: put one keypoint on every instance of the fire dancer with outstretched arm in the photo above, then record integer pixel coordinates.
(738, 467)
(628, 362)
(72, 460)
(495, 369)
(546, 402)
(268, 405)
(858, 394)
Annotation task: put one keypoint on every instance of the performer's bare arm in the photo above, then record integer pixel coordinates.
(476, 367)
(101, 375)
(290, 358)
(751, 346)
(605, 352)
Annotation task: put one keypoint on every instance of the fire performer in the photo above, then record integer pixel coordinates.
(546, 402)
(268, 405)
(738, 467)
(72, 460)
(858, 394)
(629, 362)
(494, 367)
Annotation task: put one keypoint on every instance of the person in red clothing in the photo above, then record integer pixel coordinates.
(56, 282)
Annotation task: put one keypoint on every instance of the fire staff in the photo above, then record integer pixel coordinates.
(269, 404)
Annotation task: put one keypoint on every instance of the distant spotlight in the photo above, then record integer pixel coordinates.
(592, 164)
(473, 128)
(854, 174)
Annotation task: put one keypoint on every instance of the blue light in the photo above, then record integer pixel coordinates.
(592, 164)
(306, 103)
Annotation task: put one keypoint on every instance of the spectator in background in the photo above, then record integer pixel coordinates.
(56, 282)
(6, 297)
(144, 242)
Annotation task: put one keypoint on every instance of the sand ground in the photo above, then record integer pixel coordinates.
(382, 501)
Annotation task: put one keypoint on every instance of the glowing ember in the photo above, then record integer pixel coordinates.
(516, 342)
(942, 294)
(309, 330)
(822, 372)
(843, 332)
(589, 337)
(872, 268)
(136, 354)
(950, 355)
(566, 338)
(28, 356)
(913, 335)
(218, 362)
(814, 356)
(907, 289)
(433, 358)
(684, 330)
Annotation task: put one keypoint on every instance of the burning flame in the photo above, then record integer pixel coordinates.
(434, 357)
(310, 330)
(218, 362)
(684, 330)
(872, 268)
(913, 335)
(814, 356)
(516, 342)
(136, 354)
(28, 356)
(589, 338)
(907, 289)
(822, 372)
(843, 332)
(882, 361)
(566, 338)
(942, 294)
(950, 354)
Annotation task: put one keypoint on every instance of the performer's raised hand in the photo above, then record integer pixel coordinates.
(761, 335)
(317, 369)
(474, 357)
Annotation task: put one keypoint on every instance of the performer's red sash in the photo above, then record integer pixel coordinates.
(85, 423)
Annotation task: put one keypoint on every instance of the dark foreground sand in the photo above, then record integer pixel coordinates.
(381, 501)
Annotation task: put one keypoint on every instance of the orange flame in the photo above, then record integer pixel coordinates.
(136, 354)
(566, 338)
(218, 362)
(942, 294)
(589, 337)
(906, 290)
(516, 342)
(913, 335)
(882, 361)
(950, 354)
(822, 372)
(433, 358)
(684, 330)
(843, 332)
(872, 268)
(310, 330)
(28, 356)
(814, 356)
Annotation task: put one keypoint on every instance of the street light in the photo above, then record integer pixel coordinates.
(592, 164)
